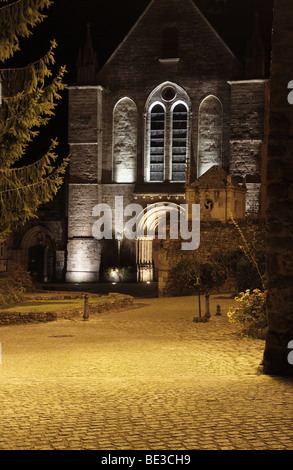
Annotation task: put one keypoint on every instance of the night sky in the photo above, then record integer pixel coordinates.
(111, 20)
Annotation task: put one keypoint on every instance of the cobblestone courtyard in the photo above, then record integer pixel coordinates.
(145, 378)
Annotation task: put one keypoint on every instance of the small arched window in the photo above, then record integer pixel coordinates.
(157, 143)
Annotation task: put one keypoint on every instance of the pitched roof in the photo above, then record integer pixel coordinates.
(215, 178)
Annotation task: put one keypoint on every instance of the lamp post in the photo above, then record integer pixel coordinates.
(207, 315)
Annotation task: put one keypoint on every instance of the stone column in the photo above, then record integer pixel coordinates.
(84, 138)
(280, 197)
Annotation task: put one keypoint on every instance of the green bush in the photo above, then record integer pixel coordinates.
(247, 270)
(188, 275)
(185, 275)
(11, 291)
(250, 312)
(18, 274)
(212, 275)
(228, 260)
(13, 285)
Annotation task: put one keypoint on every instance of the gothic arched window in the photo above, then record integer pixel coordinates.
(167, 134)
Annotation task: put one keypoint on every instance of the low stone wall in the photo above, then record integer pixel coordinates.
(95, 306)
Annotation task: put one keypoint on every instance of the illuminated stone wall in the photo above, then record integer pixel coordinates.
(124, 141)
(247, 134)
(84, 136)
(83, 260)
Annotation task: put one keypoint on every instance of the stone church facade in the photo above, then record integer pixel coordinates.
(171, 103)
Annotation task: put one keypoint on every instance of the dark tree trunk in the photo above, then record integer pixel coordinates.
(280, 196)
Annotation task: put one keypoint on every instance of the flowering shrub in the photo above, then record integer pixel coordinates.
(250, 312)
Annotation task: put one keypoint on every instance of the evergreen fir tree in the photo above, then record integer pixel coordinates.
(29, 96)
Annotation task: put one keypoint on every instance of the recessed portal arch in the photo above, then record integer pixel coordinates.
(152, 226)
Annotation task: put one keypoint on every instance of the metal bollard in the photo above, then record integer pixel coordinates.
(218, 311)
(86, 307)
(199, 306)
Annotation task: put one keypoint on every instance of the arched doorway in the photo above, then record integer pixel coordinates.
(152, 228)
(36, 262)
(39, 251)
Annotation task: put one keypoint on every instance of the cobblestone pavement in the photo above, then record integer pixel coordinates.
(146, 378)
